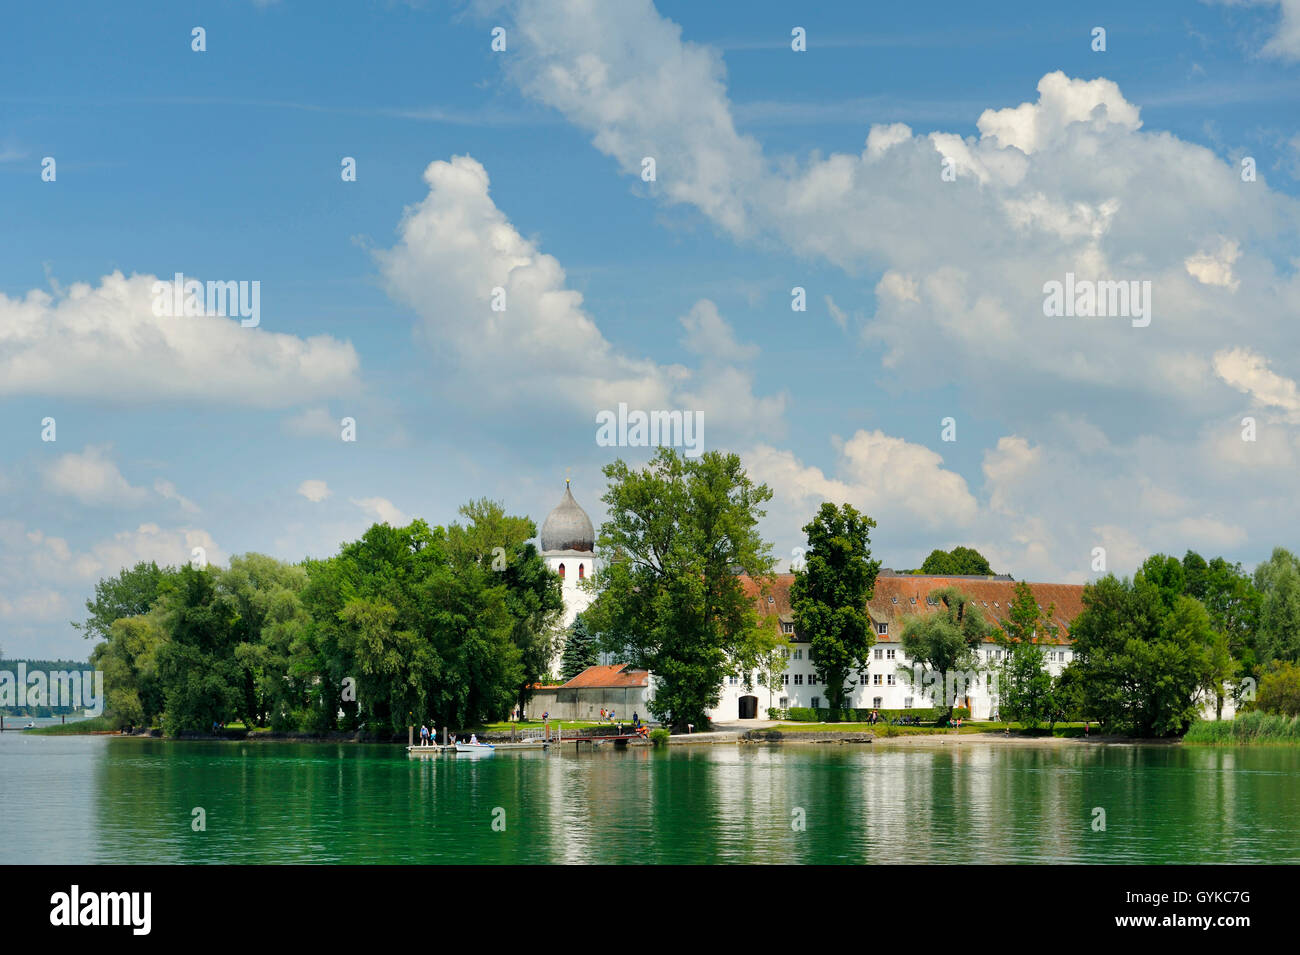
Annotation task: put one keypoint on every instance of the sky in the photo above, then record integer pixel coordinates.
(921, 172)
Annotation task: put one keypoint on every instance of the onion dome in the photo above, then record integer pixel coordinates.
(568, 527)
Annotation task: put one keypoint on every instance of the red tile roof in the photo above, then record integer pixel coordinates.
(615, 675)
(897, 597)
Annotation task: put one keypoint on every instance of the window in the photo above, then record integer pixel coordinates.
(733, 680)
(771, 600)
(879, 654)
(875, 679)
(785, 654)
(787, 628)
(785, 701)
(785, 679)
(889, 653)
(894, 599)
(913, 600)
(877, 702)
(882, 629)
(798, 654)
(812, 681)
(561, 571)
(582, 571)
(907, 702)
(798, 679)
(816, 701)
(889, 679)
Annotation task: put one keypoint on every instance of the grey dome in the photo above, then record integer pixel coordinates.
(568, 527)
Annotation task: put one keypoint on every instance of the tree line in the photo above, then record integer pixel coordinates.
(454, 625)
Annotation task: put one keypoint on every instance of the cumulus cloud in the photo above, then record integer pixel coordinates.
(92, 478)
(1068, 181)
(457, 246)
(105, 342)
(314, 491)
(382, 510)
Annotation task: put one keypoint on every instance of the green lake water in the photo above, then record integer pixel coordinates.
(106, 800)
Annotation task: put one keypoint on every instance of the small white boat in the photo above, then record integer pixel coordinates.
(30, 725)
(475, 749)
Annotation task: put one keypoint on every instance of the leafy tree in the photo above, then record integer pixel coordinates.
(1142, 661)
(129, 594)
(1279, 689)
(196, 666)
(128, 659)
(501, 543)
(1278, 579)
(1026, 690)
(943, 645)
(680, 533)
(1232, 599)
(958, 561)
(580, 650)
(829, 597)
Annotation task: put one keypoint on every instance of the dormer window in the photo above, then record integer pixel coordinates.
(771, 599)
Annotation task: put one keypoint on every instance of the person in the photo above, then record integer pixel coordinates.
(1085, 727)
(473, 739)
(602, 712)
(636, 719)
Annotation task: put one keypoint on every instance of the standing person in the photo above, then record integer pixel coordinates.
(1085, 727)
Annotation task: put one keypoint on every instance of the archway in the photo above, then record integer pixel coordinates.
(749, 707)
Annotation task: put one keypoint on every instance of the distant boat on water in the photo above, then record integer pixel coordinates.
(475, 749)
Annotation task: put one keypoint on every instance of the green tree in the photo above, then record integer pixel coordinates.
(1142, 662)
(680, 533)
(501, 543)
(196, 666)
(1278, 580)
(129, 594)
(942, 645)
(580, 650)
(128, 659)
(1232, 599)
(1279, 689)
(1026, 690)
(958, 561)
(829, 597)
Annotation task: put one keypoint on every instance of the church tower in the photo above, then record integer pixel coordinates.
(569, 549)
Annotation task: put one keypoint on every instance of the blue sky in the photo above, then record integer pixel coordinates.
(922, 294)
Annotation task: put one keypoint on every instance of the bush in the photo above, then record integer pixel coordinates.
(659, 736)
(773, 713)
(1279, 690)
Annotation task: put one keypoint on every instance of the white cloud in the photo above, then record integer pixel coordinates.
(1215, 268)
(92, 478)
(382, 510)
(316, 422)
(1249, 373)
(456, 246)
(168, 490)
(1284, 42)
(314, 491)
(104, 342)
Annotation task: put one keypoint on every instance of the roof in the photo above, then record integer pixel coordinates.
(567, 528)
(614, 675)
(898, 597)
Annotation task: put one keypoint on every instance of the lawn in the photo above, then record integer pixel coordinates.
(883, 729)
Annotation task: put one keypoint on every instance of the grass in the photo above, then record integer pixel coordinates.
(885, 730)
(96, 724)
(1254, 727)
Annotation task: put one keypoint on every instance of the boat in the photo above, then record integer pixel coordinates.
(475, 749)
(30, 725)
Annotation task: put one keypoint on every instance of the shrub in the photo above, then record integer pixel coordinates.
(773, 713)
(1279, 689)
(659, 736)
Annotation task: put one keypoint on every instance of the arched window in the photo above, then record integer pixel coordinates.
(582, 571)
(561, 571)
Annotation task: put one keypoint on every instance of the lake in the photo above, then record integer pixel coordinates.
(108, 800)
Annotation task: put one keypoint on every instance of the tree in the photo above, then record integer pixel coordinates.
(196, 666)
(1026, 690)
(1142, 661)
(958, 561)
(1232, 599)
(580, 650)
(128, 659)
(829, 597)
(1278, 579)
(1279, 689)
(680, 534)
(131, 593)
(502, 544)
(942, 644)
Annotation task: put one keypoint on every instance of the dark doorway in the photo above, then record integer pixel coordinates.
(749, 707)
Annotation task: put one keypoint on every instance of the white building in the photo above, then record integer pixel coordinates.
(882, 685)
(568, 543)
